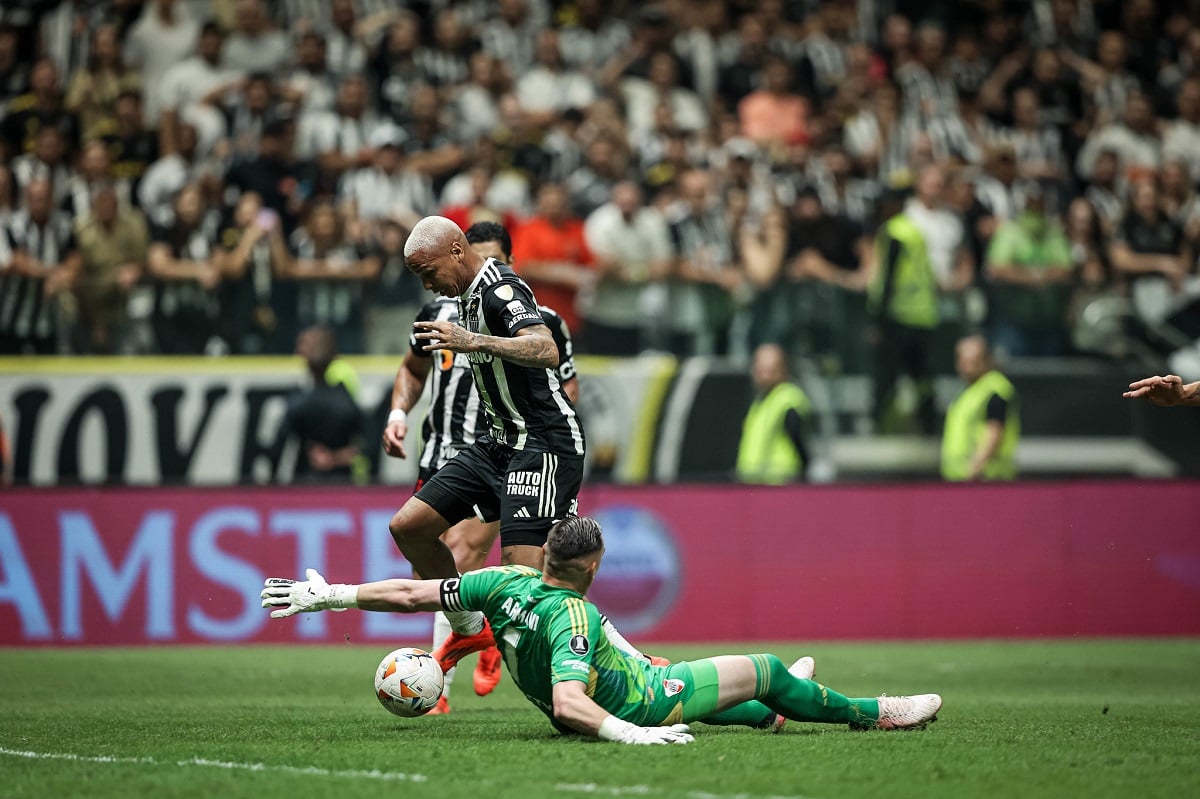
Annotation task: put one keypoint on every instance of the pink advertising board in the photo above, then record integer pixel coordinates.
(684, 563)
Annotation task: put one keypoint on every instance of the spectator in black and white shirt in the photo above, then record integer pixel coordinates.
(253, 254)
(46, 162)
(333, 273)
(445, 63)
(549, 86)
(95, 171)
(309, 85)
(1105, 191)
(387, 190)
(1134, 138)
(347, 53)
(184, 263)
(431, 146)
(1181, 139)
(169, 174)
(131, 146)
(1038, 146)
(509, 35)
(38, 261)
(394, 64)
(928, 88)
(476, 102)
(254, 44)
(1150, 250)
(339, 140)
(248, 113)
(190, 90)
(706, 270)
(41, 108)
(595, 37)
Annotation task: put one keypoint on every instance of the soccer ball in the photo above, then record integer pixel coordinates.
(409, 682)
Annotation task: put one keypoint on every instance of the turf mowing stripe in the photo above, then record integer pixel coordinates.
(196, 761)
(650, 790)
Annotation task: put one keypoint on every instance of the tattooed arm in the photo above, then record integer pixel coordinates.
(531, 346)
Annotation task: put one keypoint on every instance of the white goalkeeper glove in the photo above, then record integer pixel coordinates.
(306, 596)
(614, 729)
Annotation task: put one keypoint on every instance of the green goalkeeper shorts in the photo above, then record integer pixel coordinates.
(684, 692)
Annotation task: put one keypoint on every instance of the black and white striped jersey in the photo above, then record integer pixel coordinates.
(25, 310)
(328, 301)
(527, 407)
(455, 418)
(188, 300)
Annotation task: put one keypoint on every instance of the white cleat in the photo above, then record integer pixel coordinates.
(803, 669)
(907, 712)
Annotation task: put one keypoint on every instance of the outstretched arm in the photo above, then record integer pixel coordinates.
(531, 346)
(314, 594)
(1166, 391)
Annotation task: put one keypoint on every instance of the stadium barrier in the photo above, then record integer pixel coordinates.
(213, 422)
(684, 563)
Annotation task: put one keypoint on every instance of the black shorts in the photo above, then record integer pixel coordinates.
(526, 491)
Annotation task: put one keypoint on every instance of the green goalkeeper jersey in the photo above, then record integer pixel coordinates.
(548, 635)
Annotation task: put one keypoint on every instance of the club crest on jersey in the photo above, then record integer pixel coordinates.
(505, 293)
(579, 645)
(672, 687)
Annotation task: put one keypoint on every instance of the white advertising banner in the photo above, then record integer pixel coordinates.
(205, 421)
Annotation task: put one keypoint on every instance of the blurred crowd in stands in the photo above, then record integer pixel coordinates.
(691, 177)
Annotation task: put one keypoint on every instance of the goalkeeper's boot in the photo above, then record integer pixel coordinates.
(803, 669)
(904, 712)
(774, 723)
(441, 708)
(458, 646)
(487, 671)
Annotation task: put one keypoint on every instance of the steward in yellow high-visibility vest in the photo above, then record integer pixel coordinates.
(902, 300)
(772, 450)
(903, 288)
(983, 424)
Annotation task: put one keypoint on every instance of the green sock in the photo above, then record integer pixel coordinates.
(806, 700)
(747, 714)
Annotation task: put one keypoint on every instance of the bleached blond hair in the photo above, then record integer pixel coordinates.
(429, 233)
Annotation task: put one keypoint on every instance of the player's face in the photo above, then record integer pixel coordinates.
(491, 249)
(439, 273)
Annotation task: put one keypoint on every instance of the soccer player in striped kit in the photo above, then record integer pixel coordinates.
(457, 419)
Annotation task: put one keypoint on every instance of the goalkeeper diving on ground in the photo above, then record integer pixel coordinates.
(551, 639)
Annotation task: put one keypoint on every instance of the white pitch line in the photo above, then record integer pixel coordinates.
(647, 790)
(312, 771)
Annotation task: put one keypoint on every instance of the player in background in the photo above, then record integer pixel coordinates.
(454, 421)
(526, 470)
(551, 640)
(1166, 390)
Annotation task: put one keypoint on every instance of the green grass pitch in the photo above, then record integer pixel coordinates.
(1060, 718)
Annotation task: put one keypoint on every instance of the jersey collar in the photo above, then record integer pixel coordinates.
(466, 295)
